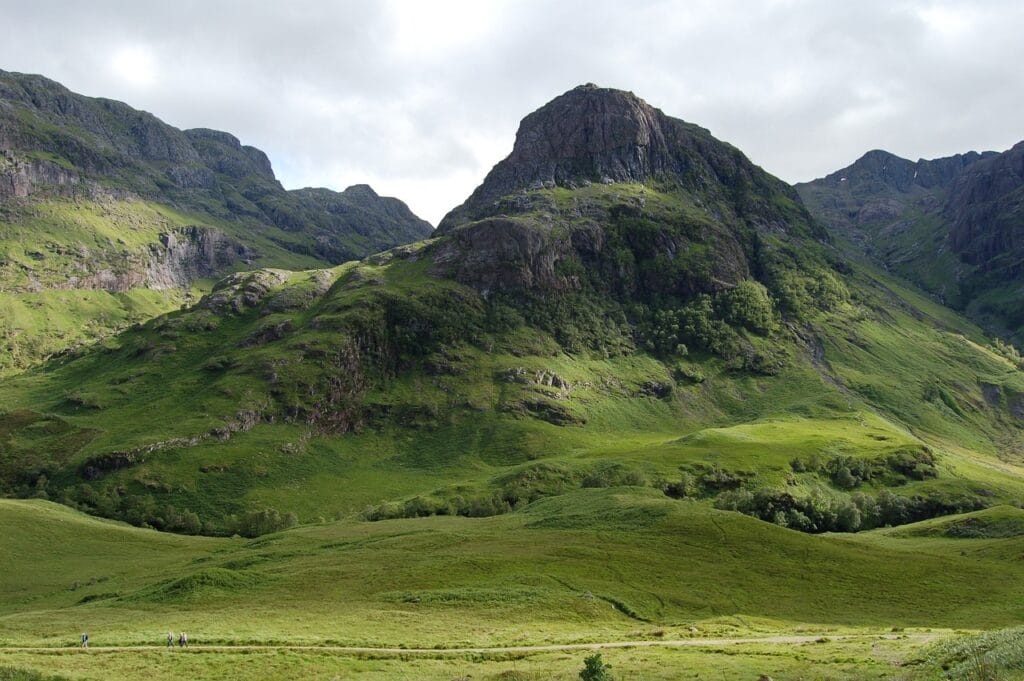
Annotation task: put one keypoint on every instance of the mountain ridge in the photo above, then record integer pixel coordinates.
(950, 225)
(99, 201)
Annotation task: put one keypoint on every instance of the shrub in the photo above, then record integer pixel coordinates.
(748, 304)
(263, 521)
(1008, 351)
(595, 670)
(700, 327)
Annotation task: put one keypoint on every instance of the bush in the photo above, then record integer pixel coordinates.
(595, 670)
(981, 657)
(1008, 351)
(264, 521)
(748, 304)
(847, 513)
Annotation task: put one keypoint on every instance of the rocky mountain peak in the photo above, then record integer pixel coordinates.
(587, 135)
(361, 192)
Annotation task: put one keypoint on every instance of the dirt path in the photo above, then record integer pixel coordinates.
(689, 642)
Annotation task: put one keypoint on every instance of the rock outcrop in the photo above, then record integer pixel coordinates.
(986, 212)
(600, 135)
(643, 188)
(20, 177)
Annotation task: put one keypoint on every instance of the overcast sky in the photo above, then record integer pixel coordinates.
(420, 98)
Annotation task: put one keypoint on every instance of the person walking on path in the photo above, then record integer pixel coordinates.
(170, 639)
(85, 640)
(183, 640)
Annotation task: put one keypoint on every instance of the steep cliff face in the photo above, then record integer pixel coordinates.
(986, 212)
(881, 186)
(20, 176)
(954, 226)
(600, 186)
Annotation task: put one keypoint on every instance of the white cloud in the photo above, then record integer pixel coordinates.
(134, 65)
(421, 99)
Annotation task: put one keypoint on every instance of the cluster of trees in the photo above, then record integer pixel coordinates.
(710, 323)
(839, 511)
(143, 510)
(260, 522)
(847, 472)
(514, 491)
(799, 292)
(478, 506)
(577, 320)
(713, 324)
(702, 480)
(844, 513)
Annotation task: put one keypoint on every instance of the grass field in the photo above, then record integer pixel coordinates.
(621, 564)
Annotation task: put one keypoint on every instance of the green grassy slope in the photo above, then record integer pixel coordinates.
(377, 389)
(593, 565)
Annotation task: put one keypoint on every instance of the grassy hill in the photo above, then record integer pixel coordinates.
(691, 337)
(594, 565)
(379, 389)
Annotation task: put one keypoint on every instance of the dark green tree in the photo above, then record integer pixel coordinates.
(595, 670)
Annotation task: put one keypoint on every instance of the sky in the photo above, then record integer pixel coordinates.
(421, 98)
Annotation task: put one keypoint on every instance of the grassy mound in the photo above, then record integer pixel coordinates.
(1001, 522)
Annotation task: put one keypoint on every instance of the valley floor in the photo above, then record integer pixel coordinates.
(663, 589)
(779, 657)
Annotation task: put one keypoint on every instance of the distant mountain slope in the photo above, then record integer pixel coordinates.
(122, 214)
(954, 226)
(680, 327)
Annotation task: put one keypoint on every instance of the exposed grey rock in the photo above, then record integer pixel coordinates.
(242, 290)
(193, 253)
(512, 235)
(986, 209)
(20, 177)
(592, 134)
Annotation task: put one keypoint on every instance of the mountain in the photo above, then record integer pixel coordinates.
(610, 399)
(602, 186)
(109, 216)
(680, 324)
(952, 226)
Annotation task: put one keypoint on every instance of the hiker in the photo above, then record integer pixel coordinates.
(170, 639)
(182, 640)
(85, 640)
